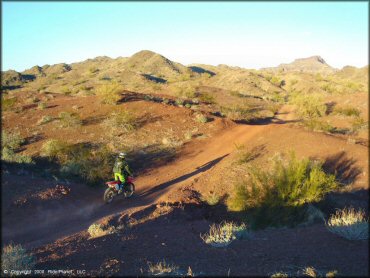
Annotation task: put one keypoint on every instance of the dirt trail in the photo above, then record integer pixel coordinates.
(73, 215)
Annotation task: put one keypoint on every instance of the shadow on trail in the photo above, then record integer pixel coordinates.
(182, 178)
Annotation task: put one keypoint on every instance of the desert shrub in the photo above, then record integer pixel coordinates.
(91, 163)
(122, 120)
(109, 93)
(68, 119)
(55, 149)
(327, 87)
(317, 125)
(8, 103)
(166, 101)
(347, 111)
(350, 224)
(308, 105)
(97, 230)
(15, 257)
(42, 105)
(221, 235)
(278, 195)
(200, 118)
(162, 268)
(45, 119)
(11, 140)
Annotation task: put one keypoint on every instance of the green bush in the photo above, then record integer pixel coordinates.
(308, 105)
(278, 195)
(68, 119)
(122, 120)
(15, 257)
(109, 93)
(55, 149)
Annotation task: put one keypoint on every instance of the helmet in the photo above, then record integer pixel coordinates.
(122, 155)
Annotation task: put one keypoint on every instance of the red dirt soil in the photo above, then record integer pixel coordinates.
(178, 241)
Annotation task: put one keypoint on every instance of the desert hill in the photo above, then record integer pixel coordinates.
(314, 64)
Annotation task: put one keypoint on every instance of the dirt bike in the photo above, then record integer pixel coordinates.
(126, 189)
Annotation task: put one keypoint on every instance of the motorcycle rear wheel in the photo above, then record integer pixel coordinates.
(129, 190)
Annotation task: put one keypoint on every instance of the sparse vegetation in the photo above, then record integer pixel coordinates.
(109, 93)
(15, 257)
(211, 198)
(315, 124)
(350, 224)
(221, 235)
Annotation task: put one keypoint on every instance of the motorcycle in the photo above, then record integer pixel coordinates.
(116, 188)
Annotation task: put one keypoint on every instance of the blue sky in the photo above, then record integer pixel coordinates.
(246, 34)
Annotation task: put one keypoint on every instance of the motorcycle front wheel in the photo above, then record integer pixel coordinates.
(109, 195)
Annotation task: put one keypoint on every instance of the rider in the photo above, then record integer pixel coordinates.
(121, 170)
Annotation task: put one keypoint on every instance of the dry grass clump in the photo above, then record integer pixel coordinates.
(350, 224)
(211, 198)
(317, 125)
(45, 119)
(15, 257)
(347, 111)
(109, 93)
(68, 119)
(42, 105)
(162, 268)
(123, 121)
(221, 235)
(200, 118)
(97, 230)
